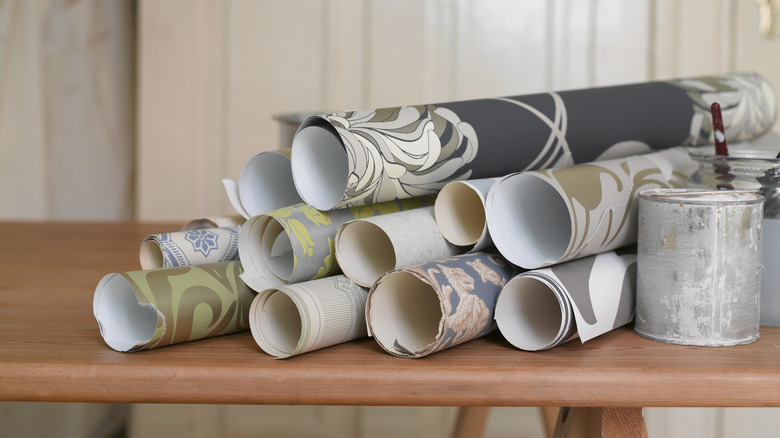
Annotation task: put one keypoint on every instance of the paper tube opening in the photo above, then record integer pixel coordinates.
(405, 312)
(266, 183)
(528, 314)
(528, 221)
(151, 255)
(319, 166)
(277, 250)
(364, 252)
(279, 323)
(124, 322)
(460, 214)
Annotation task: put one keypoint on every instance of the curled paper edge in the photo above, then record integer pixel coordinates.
(122, 331)
(231, 188)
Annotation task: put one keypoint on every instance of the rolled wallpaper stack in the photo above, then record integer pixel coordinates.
(545, 183)
(363, 157)
(296, 243)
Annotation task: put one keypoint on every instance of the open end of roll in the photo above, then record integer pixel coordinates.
(124, 322)
(529, 315)
(364, 252)
(151, 255)
(319, 166)
(280, 324)
(460, 214)
(528, 221)
(266, 183)
(277, 250)
(405, 313)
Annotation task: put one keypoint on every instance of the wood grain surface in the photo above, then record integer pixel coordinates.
(51, 350)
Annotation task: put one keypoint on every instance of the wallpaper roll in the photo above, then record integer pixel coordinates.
(293, 319)
(213, 222)
(544, 217)
(362, 157)
(192, 247)
(141, 310)
(588, 297)
(416, 311)
(367, 248)
(296, 243)
(265, 184)
(460, 213)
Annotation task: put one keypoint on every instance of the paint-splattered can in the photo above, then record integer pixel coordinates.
(699, 266)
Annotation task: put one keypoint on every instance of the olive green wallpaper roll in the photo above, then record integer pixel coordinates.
(140, 310)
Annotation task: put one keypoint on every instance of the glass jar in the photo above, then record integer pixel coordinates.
(756, 170)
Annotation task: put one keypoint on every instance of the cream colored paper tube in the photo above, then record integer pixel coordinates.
(294, 319)
(460, 213)
(367, 248)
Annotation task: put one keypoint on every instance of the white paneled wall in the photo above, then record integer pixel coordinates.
(213, 74)
(66, 109)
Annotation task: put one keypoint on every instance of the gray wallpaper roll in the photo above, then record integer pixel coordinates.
(588, 297)
(362, 157)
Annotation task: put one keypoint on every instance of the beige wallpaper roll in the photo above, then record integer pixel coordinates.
(367, 248)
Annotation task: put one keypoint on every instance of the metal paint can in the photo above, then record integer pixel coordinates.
(699, 266)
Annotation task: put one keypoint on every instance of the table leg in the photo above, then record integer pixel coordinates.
(549, 419)
(471, 422)
(600, 423)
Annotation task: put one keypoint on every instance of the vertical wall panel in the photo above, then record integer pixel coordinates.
(274, 62)
(622, 36)
(692, 37)
(750, 422)
(409, 44)
(571, 66)
(181, 111)
(682, 422)
(503, 48)
(343, 51)
(23, 178)
(754, 52)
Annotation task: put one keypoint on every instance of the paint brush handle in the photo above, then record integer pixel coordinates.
(717, 129)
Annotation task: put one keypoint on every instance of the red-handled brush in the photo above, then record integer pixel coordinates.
(721, 149)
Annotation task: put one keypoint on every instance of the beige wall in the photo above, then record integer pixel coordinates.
(66, 109)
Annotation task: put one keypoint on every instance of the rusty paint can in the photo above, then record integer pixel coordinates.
(699, 266)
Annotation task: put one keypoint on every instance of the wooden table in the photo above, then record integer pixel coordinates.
(51, 350)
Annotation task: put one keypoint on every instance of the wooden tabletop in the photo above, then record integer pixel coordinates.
(51, 350)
